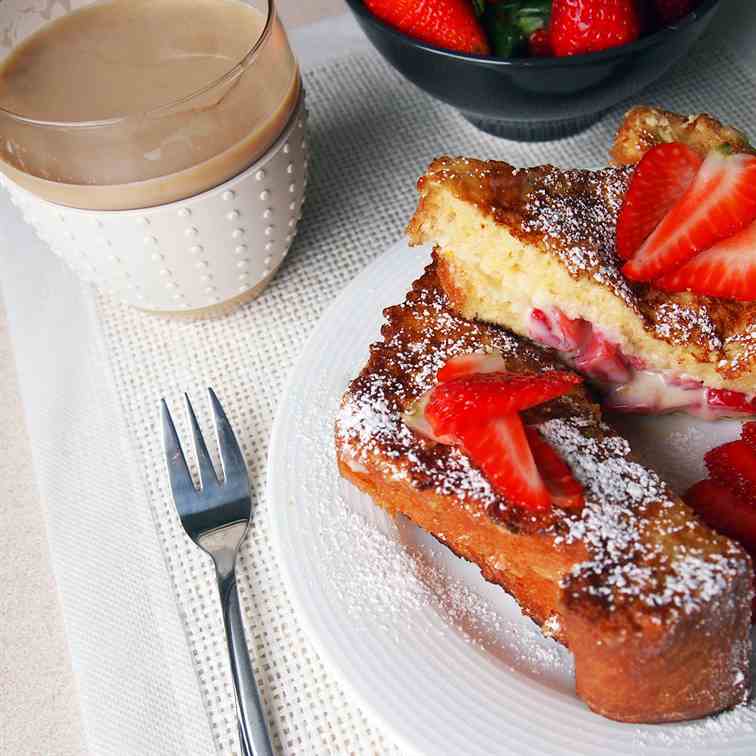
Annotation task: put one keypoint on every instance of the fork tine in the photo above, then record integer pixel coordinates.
(208, 478)
(232, 459)
(178, 471)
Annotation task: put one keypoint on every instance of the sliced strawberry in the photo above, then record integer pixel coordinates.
(726, 270)
(573, 332)
(662, 176)
(468, 364)
(720, 202)
(723, 511)
(445, 23)
(591, 351)
(734, 465)
(748, 434)
(556, 330)
(602, 360)
(476, 399)
(500, 449)
(735, 401)
(565, 491)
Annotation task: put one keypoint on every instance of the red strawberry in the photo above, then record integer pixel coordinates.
(659, 180)
(602, 360)
(558, 331)
(500, 449)
(670, 11)
(467, 364)
(451, 24)
(583, 26)
(723, 511)
(539, 44)
(727, 270)
(748, 435)
(731, 400)
(734, 465)
(720, 202)
(565, 491)
(476, 399)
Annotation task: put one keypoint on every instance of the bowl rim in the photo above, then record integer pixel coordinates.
(358, 8)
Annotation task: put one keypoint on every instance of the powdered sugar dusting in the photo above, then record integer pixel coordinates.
(577, 213)
(413, 581)
(728, 727)
(740, 351)
(628, 532)
(684, 324)
(371, 424)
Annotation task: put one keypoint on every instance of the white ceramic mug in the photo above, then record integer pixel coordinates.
(203, 242)
(191, 257)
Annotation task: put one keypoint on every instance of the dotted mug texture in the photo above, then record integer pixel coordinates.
(191, 255)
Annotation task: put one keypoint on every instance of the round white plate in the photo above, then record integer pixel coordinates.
(443, 659)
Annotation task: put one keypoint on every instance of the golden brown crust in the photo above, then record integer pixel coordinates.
(532, 569)
(655, 606)
(571, 215)
(654, 672)
(644, 126)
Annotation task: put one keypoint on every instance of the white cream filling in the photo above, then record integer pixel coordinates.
(648, 389)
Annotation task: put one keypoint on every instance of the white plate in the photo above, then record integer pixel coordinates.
(444, 660)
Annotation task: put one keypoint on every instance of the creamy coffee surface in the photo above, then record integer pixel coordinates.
(124, 62)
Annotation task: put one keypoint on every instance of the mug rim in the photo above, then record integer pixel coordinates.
(156, 112)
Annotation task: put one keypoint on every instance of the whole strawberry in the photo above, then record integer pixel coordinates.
(584, 26)
(445, 23)
(669, 11)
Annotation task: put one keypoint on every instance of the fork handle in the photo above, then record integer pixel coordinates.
(254, 738)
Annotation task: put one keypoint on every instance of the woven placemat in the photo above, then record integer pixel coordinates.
(372, 134)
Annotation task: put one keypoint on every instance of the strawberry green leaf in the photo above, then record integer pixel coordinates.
(510, 24)
(532, 15)
(506, 38)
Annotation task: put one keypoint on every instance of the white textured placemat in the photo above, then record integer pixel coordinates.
(139, 603)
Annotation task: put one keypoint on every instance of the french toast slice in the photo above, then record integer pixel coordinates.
(644, 126)
(534, 250)
(654, 606)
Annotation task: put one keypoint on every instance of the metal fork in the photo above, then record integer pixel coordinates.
(216, 518)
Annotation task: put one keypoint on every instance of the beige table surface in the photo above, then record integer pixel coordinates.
(39, 711)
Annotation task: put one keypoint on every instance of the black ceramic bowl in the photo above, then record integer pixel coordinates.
(532, 99)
